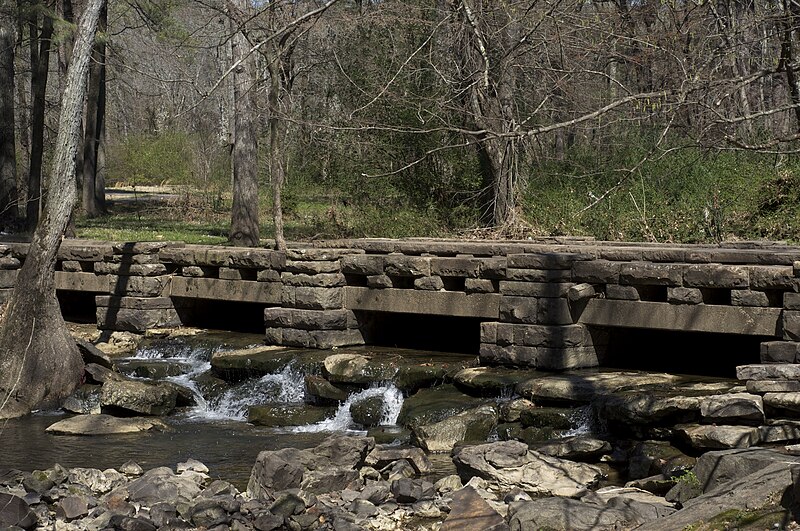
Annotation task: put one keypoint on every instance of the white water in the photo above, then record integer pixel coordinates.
(343, 421)
(583, 422)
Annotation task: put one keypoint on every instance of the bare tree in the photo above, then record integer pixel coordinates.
(8, 157)
(92, 170)
(39, 362)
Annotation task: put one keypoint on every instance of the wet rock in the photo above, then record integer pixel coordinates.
(705, 437)
(15, 512)
(368, 412)
(280, 415)
(567, 515)
(98, 374)
(72, 507)
(139, 397)
(92, 354)
(491, 381)
(471, 425)
(516, 432)
(428, 406)
(323, 391)
(235, 365)
(104, 425)
(389, 434)
(511, 464)
(547, 417)
(510, 411)
(84, 401)
(657, 457)
(356, 369)
(625, 411)
(383, 455)
(584, 386)
(153, 369)
(732, 408)
(578, 448)
(191, 464)
(131, 468)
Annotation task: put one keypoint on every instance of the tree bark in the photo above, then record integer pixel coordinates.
(244, 155)
(93, 195)
(39, 362)
(276, 169)
(40, 65)
(8, 152)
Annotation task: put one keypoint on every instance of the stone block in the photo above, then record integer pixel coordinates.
(480, 285)
(790, 325)
(732, 408)
(130, 270)
(489, 332)
(198, 271)
(143, 247)
(650, 274)
(539, 357)
(681, 295)
(791, 301)
(432, 283)
(519, 310)
(320, 254)
(539, 275)
(456, 267)
(319, 298)
(256, 259)
(772, 277)
(273, 336)
(231, 273)
(596, 272)
(322, 280)
(550, 336)
(780, 352)
(313, 267)
(554, 312)
(137, 303)
(788, 402)
(780, 431)
(535, 289)
(268, 293)
(138, 286)
(85, 252)
(773, 386)
(622, 293)
(545, 260)
(621, 254)
(398, 265)
(716, 276)
(309, 319)
(132, 320)
(292, 337)
(337, 338)
(70, 266)
(362, 264)
(494, 268)
(772, 371)
(179, 256)
(7, 278)
(135, 259)
(379, 281)
(664, 254)
(747, 297)
(268, 275)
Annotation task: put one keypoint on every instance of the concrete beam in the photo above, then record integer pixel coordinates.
(452, 303)
(226, 290)
(688, 318)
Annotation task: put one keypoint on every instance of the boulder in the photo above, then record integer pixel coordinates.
(547, 417)
(472, 425)
(732, 408)
(469, 512)
(322, 391)
(645, 505)
(356, 369)
(98, 481)
(711, 437)
(716, 468)
(368, 412)
(162, 485)
(657, 457)
(92, 354)
(104, 425)
(582, 387)
(510, 411)
(577, 448)
(15, 512)
(624, 411)
(428, 406)
(139, 397)
(510, 464)
(491, 381)
(329, 479)
(514, 431)
(383, 455)
(564, 514)
(239, 364)
(84, 401)
(280, 415)
(274, 471)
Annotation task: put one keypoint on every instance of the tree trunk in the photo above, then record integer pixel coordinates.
(244, 156)
(40, 65)
(39, 362)
(276, 170)
(8, 152)
(93, 206)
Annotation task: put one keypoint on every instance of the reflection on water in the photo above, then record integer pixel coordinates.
(229, 449)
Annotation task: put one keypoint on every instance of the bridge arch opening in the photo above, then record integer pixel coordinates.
(422, 332)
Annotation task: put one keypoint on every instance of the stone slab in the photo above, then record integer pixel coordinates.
(87, 282)
(226, 290)
(456, 304)
(716, 276)
(650, 274)
(540, 357)
(545, 260)
(771, 371)
(135, 303)
(130, 320)
(688, 318)
(535, 289)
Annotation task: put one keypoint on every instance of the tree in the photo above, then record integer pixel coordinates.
(8, 157)
(92, 168)
(39, 362)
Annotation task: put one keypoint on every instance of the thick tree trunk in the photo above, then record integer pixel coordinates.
(93, 204)
(40, 65)
(8, 152)
(39, 362)
(244, 156)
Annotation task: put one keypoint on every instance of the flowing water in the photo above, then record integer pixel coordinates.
(214, 431)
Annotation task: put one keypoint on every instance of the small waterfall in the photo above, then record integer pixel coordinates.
(343, 421)
(583, 422)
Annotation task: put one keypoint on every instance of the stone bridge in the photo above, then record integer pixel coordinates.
(548, 303)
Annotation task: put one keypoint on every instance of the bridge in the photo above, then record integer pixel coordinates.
(552, 303)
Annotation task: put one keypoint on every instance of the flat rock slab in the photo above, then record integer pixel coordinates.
(469, 512)
(265, 360)
(104, 425)
(491, 381)
(583, 387)
(719, 437)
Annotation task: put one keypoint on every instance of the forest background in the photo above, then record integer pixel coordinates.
(672, 121)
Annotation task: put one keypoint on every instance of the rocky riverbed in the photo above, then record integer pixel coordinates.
(522, 449)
